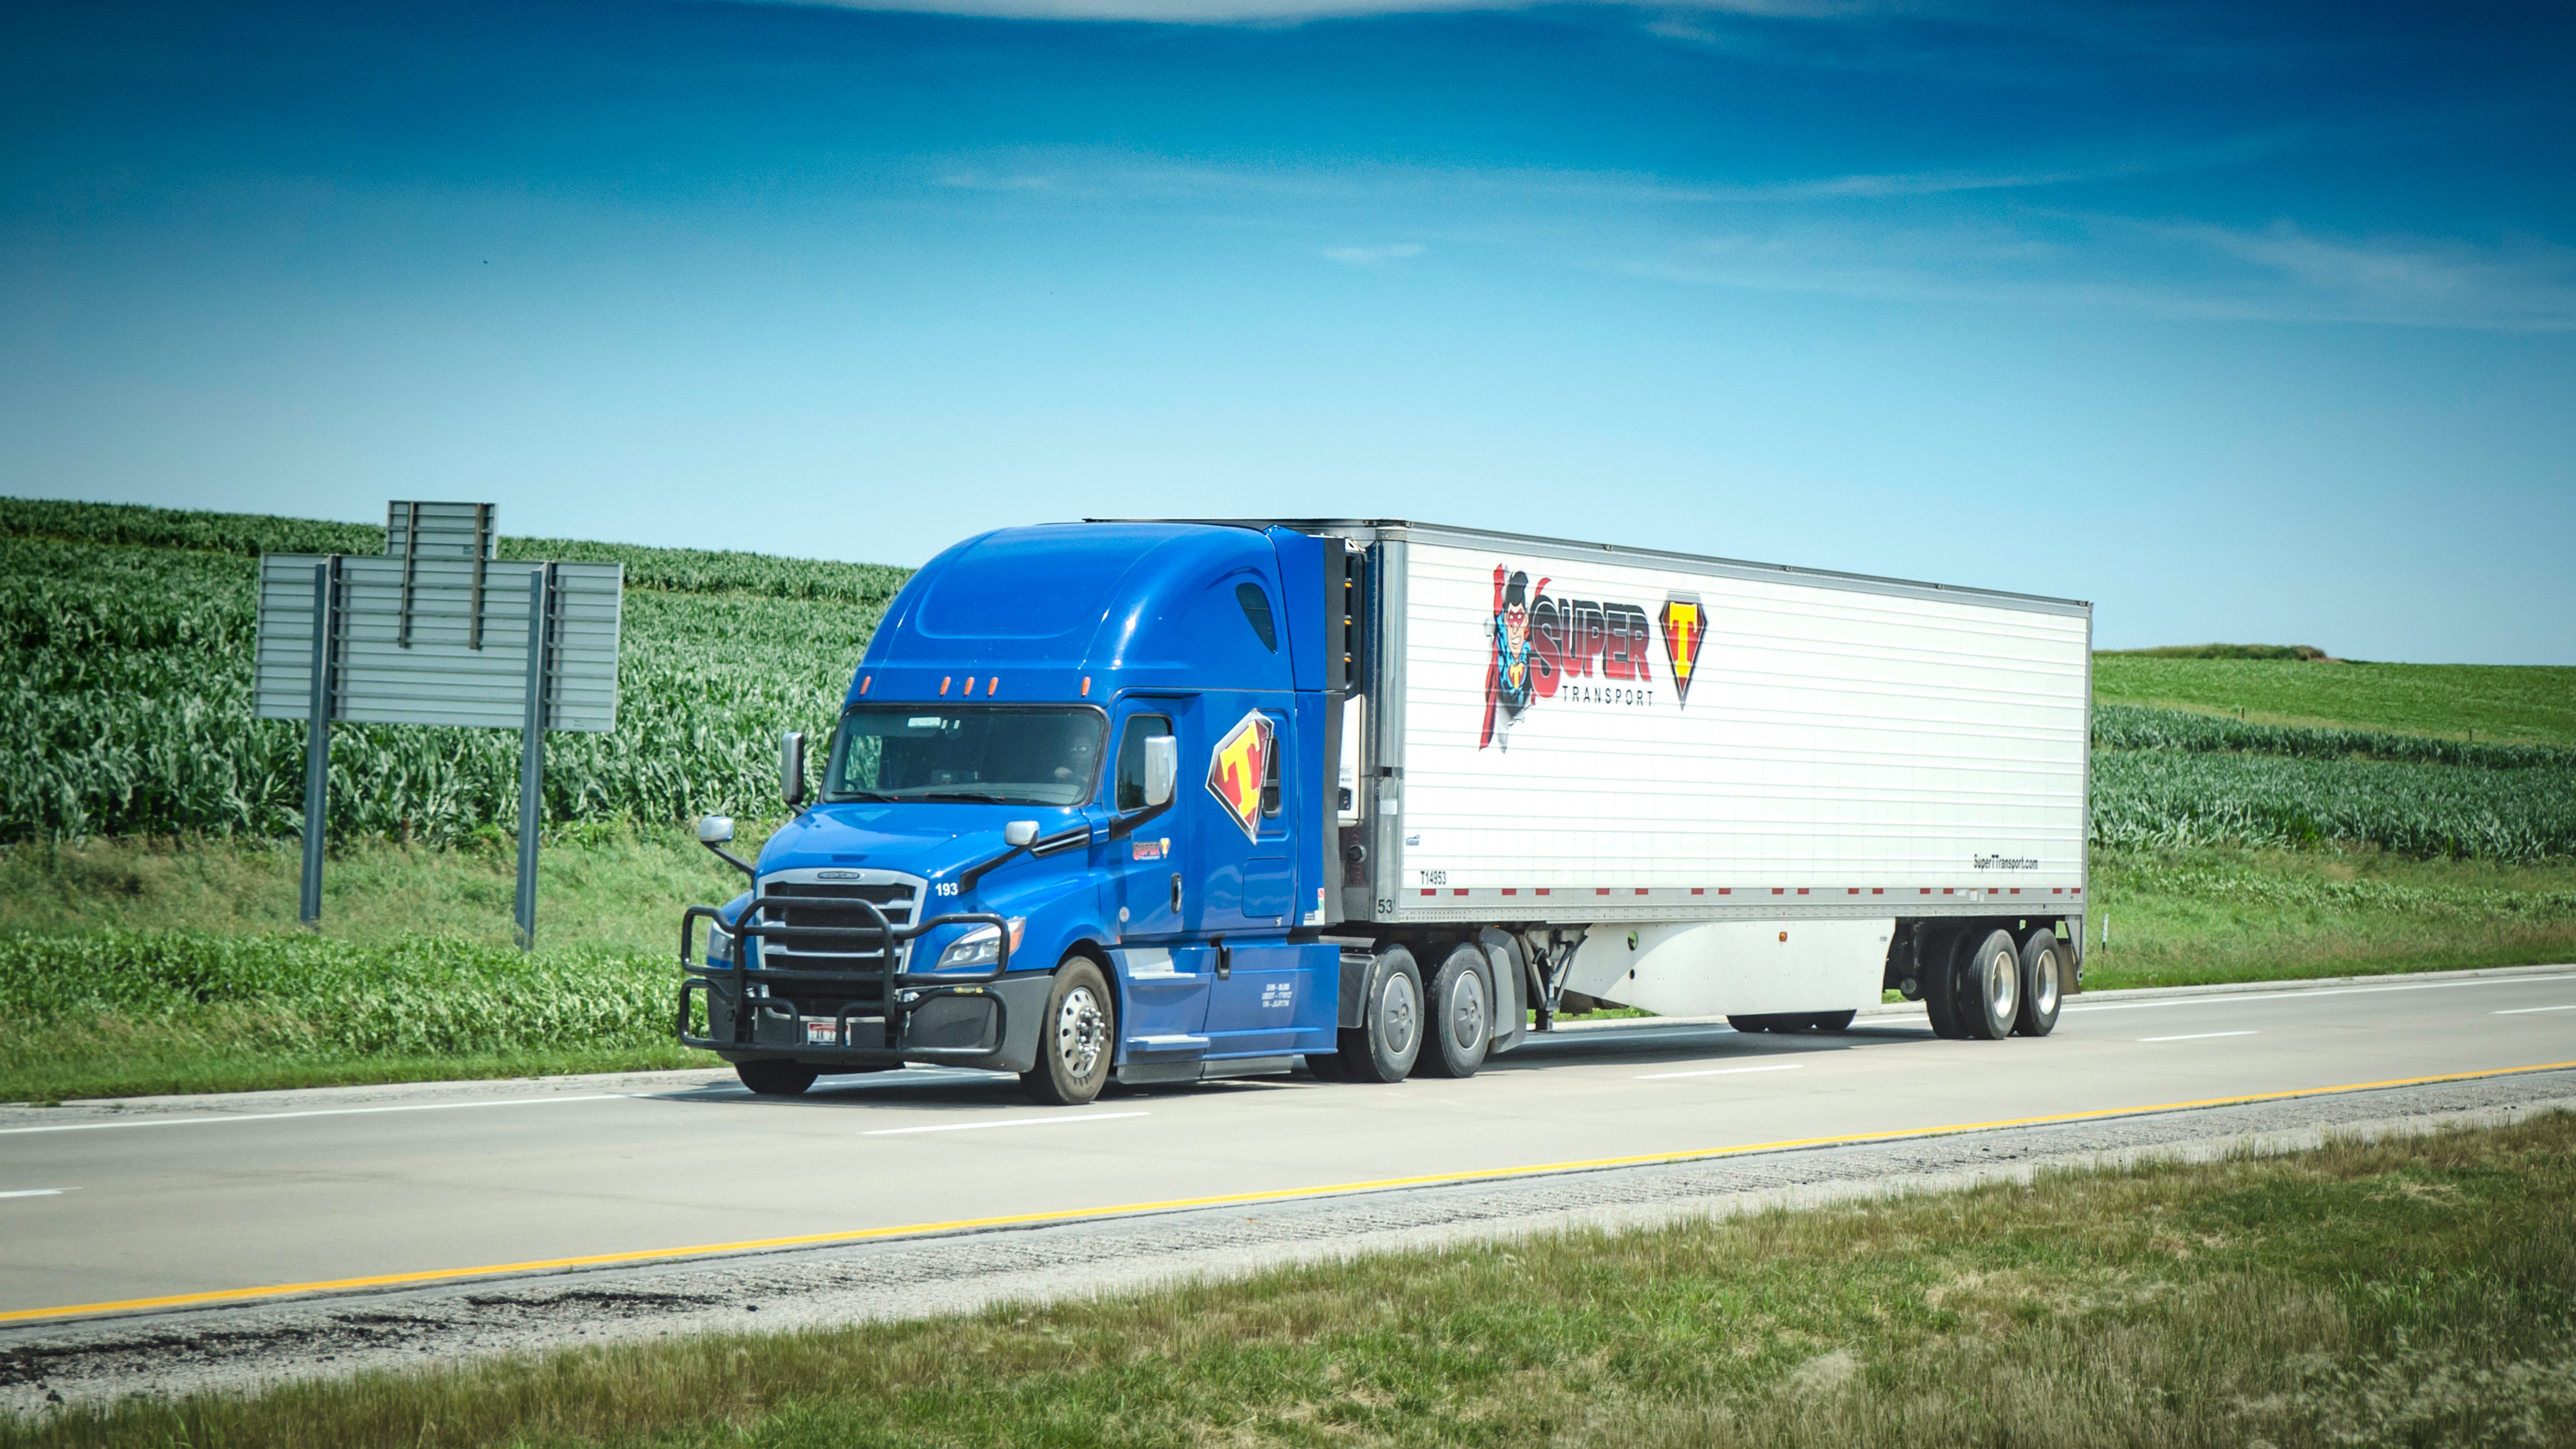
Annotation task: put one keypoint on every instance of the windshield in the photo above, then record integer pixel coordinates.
(999, 754)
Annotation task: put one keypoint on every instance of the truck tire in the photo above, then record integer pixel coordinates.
(2043, 982)
(776, 1078)
(1988, 994)
(1382, 1048)
(1077, 1035)
(1938, 956)
(1460, 1018)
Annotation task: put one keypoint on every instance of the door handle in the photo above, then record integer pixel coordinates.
(1224, 958)
(1176, 893)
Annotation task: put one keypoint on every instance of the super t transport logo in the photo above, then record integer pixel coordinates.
(1543, 644)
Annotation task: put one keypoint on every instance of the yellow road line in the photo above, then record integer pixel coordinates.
(858, 1235)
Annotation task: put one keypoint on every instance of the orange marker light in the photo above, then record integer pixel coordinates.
(864, 681)
(1086, 686)
(943, 686)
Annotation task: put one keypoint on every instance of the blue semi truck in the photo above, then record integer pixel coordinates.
(1161, 802)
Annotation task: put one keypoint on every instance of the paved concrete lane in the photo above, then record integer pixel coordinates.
(172, 1199)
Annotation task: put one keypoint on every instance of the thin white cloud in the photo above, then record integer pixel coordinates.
(2166, 269)
(1372, 256)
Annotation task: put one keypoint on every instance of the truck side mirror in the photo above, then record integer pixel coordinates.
(715, 830)
(791, 768)
(1162, 770)
(1020, 834)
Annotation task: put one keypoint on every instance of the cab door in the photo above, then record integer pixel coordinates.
(1163, 982)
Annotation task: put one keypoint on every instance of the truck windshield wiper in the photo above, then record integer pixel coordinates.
(964, 795)
(847, 795)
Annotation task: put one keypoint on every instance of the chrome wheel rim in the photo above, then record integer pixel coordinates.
(2046, 986)
(1395, 1015)
(1081, 1031)
(1467, 1011)
(2003, 985)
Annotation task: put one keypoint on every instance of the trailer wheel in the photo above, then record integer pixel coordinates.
(1076, 1037)
(1939, 955)
(776, 1078)
(1461, 1018)
(1382, 1048)
(2043, 980)
(1988, 996)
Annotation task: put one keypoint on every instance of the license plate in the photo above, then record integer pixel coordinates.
(822, 1031)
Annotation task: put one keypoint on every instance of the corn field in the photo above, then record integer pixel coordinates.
(128, 704)
(127, 635)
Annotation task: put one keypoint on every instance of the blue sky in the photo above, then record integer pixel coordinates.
(2246, 323)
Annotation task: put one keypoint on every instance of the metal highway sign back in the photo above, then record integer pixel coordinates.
(437, 632)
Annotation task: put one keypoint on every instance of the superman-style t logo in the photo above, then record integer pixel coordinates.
(1238, 766)
(1685, 624)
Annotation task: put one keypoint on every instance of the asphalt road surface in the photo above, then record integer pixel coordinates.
(170, 1202)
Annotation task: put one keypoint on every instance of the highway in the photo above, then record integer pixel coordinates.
(168, 1202)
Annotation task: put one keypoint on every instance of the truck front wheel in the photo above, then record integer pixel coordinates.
(1076, 1037)
(1461, 1017)
(776, 1078)
(1382, 1048)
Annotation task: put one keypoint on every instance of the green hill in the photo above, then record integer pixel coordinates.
(2507, 703)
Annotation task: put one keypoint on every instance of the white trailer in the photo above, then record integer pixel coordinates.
(1696, 786)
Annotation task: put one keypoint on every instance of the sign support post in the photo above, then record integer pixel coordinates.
(402, 638)
(317, 735)
(532, 743)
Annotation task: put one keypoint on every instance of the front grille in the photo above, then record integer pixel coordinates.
(830, 906)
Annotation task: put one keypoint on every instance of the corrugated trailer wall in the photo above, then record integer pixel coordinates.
(1663, 738)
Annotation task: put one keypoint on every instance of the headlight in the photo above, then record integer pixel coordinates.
(981, 946)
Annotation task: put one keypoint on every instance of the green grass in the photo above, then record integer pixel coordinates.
(2510, 704)
(141, 967)
(2414, 1292)
(2210, 915)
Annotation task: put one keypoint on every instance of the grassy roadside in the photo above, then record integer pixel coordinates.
(142, 967)
(2404, 1293)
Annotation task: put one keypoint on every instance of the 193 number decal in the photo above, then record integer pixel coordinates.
(946, 888)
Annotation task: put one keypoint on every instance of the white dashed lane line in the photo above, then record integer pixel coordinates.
(1007, 1122)
(1721, 1072)
(2528, 1010)
(2200, 1036)
(324, 1112)
(39, 1192)
(2230, 998)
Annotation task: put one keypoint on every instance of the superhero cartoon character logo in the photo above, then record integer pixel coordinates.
(1240, 766)
(1583, 650)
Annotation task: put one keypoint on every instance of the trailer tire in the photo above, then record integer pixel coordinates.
(1383, 1047)
(1988, 995)
(2043, 983)
(1460, 1018)
(775, 1078)
(1077, 1035)
(1937, 956)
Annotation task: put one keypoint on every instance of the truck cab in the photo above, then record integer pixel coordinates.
(1067, 825)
